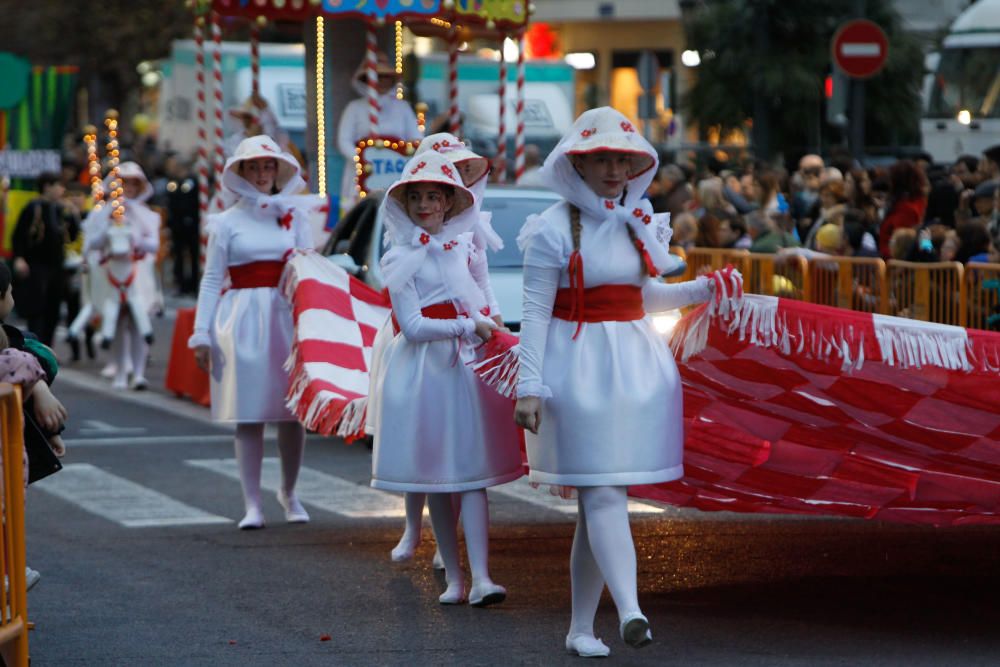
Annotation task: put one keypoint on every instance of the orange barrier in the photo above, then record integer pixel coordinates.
(854, 283)
(776, 275)
(927, 291)
(714, 259)
(184, 378)
(982, 290)
(14, 605)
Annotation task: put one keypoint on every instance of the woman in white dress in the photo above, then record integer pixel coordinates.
(440, 430)
(123, 251)
(244, 336)
(473, 170)
(598, 388)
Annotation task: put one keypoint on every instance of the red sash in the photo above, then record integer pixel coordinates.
(256, 274)
(604, 303)
(436, 311)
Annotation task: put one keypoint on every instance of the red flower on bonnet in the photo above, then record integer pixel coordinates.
(627, 126)
(420, 165)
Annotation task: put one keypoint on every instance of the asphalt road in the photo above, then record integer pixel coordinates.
(142, 564)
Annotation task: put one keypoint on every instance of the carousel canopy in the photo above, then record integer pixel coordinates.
(498, 14)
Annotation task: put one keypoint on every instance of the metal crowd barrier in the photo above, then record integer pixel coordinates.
(855, 283)
(928, 291)
(982, 290)
(14, 606)
(944, 292)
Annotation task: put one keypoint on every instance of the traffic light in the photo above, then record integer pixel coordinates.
(835, 91)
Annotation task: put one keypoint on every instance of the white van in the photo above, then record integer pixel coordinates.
(962, 114)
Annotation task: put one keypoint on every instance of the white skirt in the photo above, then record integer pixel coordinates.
(438, 427)
(251, 340)
(615, 415)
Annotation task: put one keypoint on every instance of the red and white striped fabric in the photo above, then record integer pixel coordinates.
(336, 318)
(791, 407)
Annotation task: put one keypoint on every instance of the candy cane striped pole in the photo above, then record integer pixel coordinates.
(220, 151)
(255, 59)
(519, 113)
(454, 121)
(371, 77)
(501, 160)
(199, 73)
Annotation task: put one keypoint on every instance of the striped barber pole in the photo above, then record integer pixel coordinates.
(519, 113)
(220, 151)
(454, 120)
(371, 78)
(255, 59)
(501, 159)
(200, 112)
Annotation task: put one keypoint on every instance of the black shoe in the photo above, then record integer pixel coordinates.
(74, 347)
(105, 344)
(148, 338)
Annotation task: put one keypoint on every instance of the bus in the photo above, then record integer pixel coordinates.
(962, 112)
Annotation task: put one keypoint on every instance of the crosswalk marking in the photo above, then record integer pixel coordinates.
(119, 500)
(149, 440)
(521, 489)
(318, 489)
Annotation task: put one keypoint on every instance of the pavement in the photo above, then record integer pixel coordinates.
(142, 564)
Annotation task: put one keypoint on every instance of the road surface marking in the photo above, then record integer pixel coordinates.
(116, 499)
(150, 440)
(521, 489)
(327, 492)
(97, 428)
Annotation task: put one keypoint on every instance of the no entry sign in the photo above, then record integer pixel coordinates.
(860, 48)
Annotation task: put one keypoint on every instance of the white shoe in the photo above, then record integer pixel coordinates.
(119, 383)
(486, 593)
(31, 577)
(403, 551)
(437, 563)
(140, 384)
(253, 519)
(635, 630)
(109, 370)
(294, 511)
(587, 646)
(454, 594)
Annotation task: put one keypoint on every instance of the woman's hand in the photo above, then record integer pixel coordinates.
(50, 413)
(202, 357)
(484, 330)
(528, 413)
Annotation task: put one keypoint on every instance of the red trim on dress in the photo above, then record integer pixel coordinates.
(256, 274)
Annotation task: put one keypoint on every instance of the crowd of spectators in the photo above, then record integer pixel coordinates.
(910, 210)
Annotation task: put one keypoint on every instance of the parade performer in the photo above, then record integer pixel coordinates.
(243, 337)
(395, 119)
(598, 389)
(473, 169)
(123, 246)
(439, 429)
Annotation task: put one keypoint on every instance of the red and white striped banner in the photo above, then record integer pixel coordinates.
(790, 407)
(220, 151)
(371, 78)
(454, 119)
(501, 159)
(519, 113)
(336, 319)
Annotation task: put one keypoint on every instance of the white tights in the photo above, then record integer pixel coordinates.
(128, 349)
(475, 514)
(602, 552)
(250, 457)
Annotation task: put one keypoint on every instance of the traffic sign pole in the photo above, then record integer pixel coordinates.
(859, 49)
